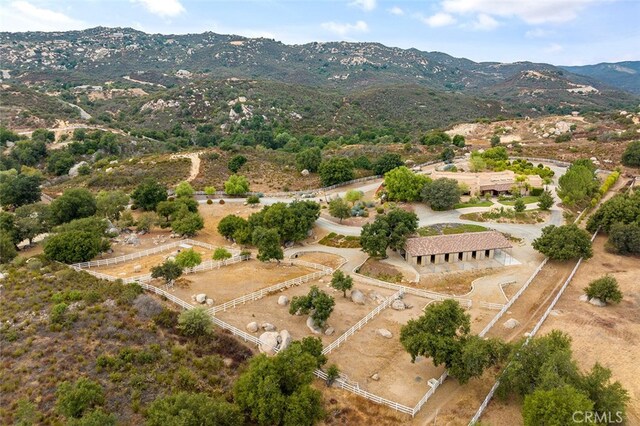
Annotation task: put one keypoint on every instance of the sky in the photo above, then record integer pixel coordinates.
(561, 32)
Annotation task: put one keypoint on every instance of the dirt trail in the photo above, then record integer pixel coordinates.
(195, 163)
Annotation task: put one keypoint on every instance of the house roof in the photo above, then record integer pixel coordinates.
(456, 243)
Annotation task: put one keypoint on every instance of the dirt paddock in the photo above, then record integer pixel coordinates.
(345, 312)
(126, 269)
(230, 282)
(327, 259)
(367, 353)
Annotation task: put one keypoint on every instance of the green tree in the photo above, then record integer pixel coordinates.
(29, 152)
(309, 159)
(442, 333)
(184, 189)
(386, 163)
(230, 224)
(622, 208)
(193, 409)
(442, 194)
(578, 185)
(353, 196)
(631, 155)
(625, 238)
(169, 271)
(187, 224)
(73, 246)
(277, 391)
(458, 140)
(166, 209)
(236, 185)
(73, 399)
(495, 140)
(388, 230)
(73, 204)
(447, 154)
(318, 303)
(339, 209)
(292, 221)
(188, 258)
(148, 194)
(111, 203)
(564, 242)
(336, 170)
(605, 288)
(8, 250)
(209, 190)
(221, 253)
(95, 417)
(92, 224)
(519, 206)
(436, 137)
(341, 282)
(60, 162)
(195, 322)
(32, 220)
(268, 243)
(609, 399)
(18, 190)
(555, 406)
(545, 202)
(402, 184)
(236, 163)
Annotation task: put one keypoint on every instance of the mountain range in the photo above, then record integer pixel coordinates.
(361, 76)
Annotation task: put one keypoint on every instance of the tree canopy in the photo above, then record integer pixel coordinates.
(236, 185)
(386, 163)
(401, 184)
(73, 246)
(336, 170)
(169, 271)
(605, 288)
(342, 282)
(578, 184)
(388, 230)
(148, 194)
(631, 155)
(192, 409)
(111, 203)
(309, 159)
(442, 194)
(188, 258)
(564, 242)
(339, 209)
(317, 303)
(19, 189)
(268, 243)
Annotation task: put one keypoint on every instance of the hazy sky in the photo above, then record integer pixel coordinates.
(564, 32)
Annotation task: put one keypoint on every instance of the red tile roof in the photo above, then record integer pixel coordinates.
(456, 243)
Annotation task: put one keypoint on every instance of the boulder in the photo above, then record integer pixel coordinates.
(252, 327)
(376, 297)
(75, 170)
(312, 326)
(375, 377)
(132, 239)
(283, 300)
(583, 298)
(398, 305)
(267, 326)
(384, 333)
(511, 323)
(285, 339)
(357, 297)
(329, 331)
(305, 172)
(269, 342)
(209, 302)
(201, 298)
(597, 302)
(137, 268)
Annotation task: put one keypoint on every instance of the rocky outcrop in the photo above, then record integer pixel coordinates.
(357, 297)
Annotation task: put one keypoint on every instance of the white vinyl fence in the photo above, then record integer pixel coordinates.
(351, 331)
(139, 254)
(532, 334)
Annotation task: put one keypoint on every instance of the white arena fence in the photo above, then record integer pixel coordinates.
(490, 305)
(532, 334)
(351, 331)
(415, 291)
(143, 253)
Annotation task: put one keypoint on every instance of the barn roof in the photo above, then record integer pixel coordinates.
(456, 243)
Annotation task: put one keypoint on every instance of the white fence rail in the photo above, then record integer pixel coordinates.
(143, 253)
(236, 331)
(415, 291)
(429, 393)
(532, 334)
(490, 305)
(351, 331)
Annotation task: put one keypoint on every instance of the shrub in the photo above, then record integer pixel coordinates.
(625, 238)
(209, 201)
(194, 322)
(74, 399)
(564, 242)
(221, 253)
(631, 155)
(167, 318)
(253, 199)
(193, 409)
(606, 289)
(188, 258)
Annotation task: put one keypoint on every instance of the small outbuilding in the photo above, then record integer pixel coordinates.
(423, 251)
